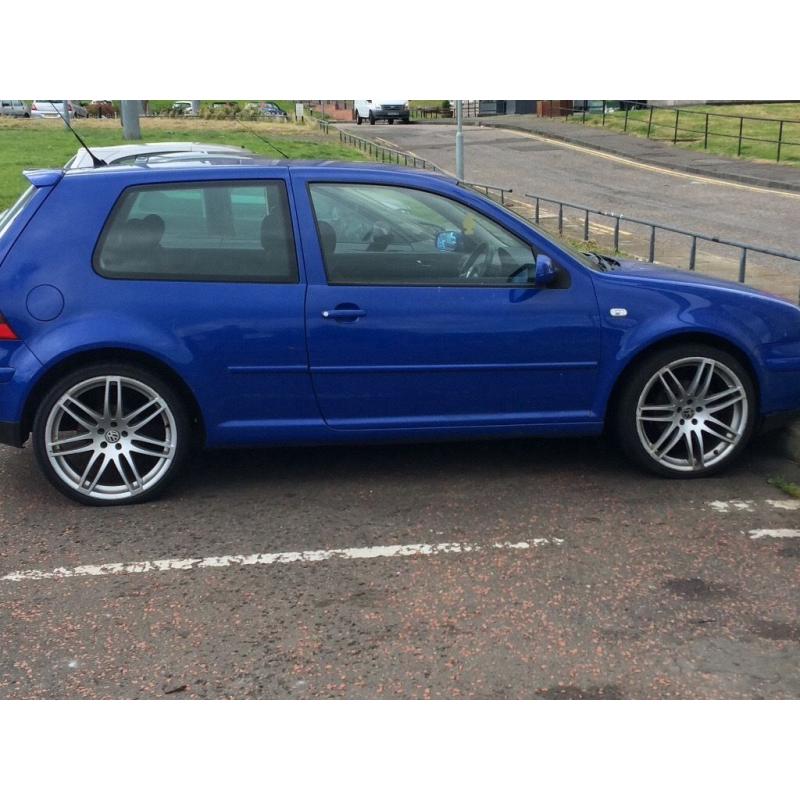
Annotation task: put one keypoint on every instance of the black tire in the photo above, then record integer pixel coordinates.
(359, 120)
(182, 430)
(390, 121)
(627, 424)
(371, 119)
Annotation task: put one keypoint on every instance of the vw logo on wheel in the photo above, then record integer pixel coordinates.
(112, 436)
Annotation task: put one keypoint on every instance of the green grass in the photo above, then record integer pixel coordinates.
(28, 144)
(723, 131)
(792, 489)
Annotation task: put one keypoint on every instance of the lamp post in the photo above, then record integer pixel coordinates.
(459, 143)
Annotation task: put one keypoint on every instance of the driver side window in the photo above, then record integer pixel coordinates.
(391, 235)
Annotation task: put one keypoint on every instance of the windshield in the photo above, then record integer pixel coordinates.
(578, 255)
(7, 217)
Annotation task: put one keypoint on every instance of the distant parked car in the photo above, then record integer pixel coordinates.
(14, 108)
(183, 107)
(374, 110)
(269, 110)
(143, 152)
(54, 109)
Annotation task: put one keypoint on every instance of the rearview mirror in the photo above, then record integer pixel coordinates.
(449, 241)
(545, 271)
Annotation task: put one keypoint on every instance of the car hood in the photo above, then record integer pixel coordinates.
(657, 272)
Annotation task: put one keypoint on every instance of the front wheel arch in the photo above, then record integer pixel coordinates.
(134, 357)
(685, 338)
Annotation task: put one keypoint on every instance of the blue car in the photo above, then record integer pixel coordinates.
(147, 310)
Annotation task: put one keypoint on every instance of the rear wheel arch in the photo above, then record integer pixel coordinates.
(134, 357)
(689, 337)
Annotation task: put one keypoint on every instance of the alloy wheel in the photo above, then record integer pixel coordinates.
(110, 437)
(692, 414)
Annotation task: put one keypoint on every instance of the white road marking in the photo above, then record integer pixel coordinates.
(774, 533)
(786, 505)
(306, 556)
(726, 506)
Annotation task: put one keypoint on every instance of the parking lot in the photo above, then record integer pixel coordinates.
(519, 569)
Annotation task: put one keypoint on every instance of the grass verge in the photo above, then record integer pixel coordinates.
(29, 144)
(760, 130)
(787, 487)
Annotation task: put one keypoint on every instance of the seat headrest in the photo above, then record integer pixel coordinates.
(327, 237)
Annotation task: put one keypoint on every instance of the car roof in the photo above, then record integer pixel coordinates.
(113, 152)
(198, 163)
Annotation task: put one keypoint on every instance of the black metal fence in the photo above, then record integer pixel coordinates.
(386, 155)
(765, 137)
(742, 249)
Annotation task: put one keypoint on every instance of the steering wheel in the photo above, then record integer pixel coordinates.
(471, 269)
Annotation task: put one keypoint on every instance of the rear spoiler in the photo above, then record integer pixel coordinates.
(43, 177)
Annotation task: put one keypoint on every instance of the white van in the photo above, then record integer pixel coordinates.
(373, 110)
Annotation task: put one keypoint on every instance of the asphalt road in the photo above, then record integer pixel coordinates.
(515, 160)
(548, 569)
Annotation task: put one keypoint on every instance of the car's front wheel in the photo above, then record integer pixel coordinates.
(111, 434)
(686, 411)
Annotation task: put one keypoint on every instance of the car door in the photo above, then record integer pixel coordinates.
(409, 329)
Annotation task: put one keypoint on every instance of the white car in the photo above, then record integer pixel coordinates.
(141, 153)
(54, 109)
(184, 108)
(373, 110)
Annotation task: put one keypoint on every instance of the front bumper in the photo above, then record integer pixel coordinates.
(385, 114)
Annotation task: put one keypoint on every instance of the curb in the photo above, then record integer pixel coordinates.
(748, 180)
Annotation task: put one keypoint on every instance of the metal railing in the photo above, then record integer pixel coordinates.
(386, 154)
(487, 189)
(742, 248)
(665, 123)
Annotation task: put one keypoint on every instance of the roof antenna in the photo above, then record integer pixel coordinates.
(263, 138)
(96, 162)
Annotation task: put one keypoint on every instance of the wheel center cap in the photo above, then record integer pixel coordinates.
(687, 413)
(112, 436)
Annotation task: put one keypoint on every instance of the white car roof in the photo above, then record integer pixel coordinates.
(116, 152)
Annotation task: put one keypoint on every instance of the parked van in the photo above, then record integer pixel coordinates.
(14, 108)
(373, 110)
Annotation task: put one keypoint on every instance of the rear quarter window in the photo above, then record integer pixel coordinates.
(212, 231)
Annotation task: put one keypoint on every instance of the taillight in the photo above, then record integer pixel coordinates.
(33, 107)
(6, 331)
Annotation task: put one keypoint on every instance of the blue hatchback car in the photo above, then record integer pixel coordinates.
(146, 310)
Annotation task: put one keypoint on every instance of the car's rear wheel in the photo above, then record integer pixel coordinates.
(359, 119)
(371, 118)
(687, 411)
(111, 434)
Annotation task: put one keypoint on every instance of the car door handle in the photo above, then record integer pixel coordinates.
(344, 314)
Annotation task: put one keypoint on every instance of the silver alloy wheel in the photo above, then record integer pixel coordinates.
(110, 437)
(691, 414)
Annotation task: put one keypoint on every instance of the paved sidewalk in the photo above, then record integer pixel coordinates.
(754, 173)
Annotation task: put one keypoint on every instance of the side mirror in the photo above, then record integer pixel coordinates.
(545, 272)
(450, 241)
